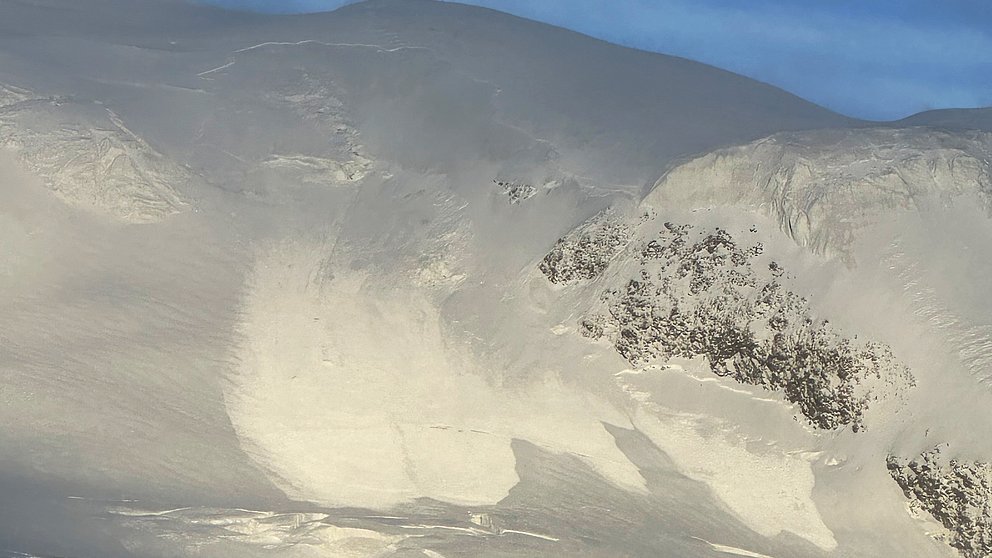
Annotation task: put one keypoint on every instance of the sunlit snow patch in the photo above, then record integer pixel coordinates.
(351, 393)
(770, 491)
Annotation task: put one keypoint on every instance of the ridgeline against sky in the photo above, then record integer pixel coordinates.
(879, 59)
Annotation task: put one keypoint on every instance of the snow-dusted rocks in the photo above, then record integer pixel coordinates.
(956, 493)
(585, 252)
(698, 293)
(516, 191)
(86, 155)
(823, 186)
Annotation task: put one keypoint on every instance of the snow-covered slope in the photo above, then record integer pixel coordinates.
(418, 279)
(823, 187)
(953, 119)
(86, 155)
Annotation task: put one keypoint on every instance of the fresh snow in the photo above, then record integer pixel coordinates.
(356, 284)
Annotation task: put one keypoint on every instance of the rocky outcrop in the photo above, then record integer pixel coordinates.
(824, 186)
(698, 294)
(87, 156)
(957, 494)
(585, 252)
(516, 191)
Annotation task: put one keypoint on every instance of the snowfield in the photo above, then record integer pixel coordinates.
(413, 278)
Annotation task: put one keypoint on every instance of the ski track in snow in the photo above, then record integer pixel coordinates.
(217, 69)
(377, 48)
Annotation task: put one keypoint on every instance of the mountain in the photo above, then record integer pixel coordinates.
(954, 119)
(490, 72)
(413, 278)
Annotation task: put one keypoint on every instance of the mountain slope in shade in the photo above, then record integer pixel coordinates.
(953, 119)
(420, 279)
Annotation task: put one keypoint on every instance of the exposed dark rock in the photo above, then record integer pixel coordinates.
(697, 294)
(586, 252)
(516, 191)
(955, 493)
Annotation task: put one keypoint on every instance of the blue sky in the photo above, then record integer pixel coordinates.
(876, 59)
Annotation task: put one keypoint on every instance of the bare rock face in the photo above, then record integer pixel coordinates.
(957, 494)
(824, 186)
(698, 294)
(585, 253)
(87, 156)
(516, 191)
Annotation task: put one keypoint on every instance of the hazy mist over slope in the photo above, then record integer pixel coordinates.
(413, 278)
